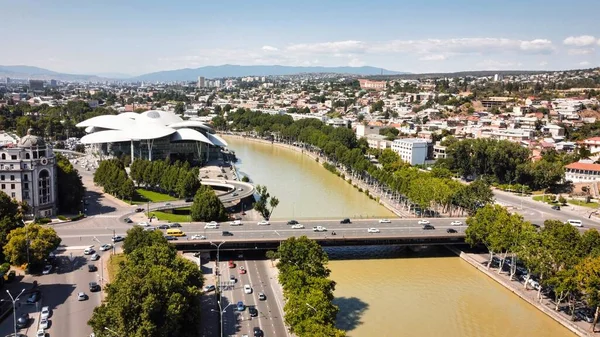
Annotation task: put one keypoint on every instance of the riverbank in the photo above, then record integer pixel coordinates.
(580, 328)
(361, 186)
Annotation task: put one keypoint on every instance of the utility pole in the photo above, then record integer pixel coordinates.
(219, 285)
(14, 300)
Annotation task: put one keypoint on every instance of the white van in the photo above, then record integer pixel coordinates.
(576, 223)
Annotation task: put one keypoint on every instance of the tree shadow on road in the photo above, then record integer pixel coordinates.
(351, 312)
(94, 206)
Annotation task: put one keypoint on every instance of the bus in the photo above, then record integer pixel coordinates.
(175, 232)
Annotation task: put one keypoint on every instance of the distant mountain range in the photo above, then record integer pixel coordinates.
(187, 74)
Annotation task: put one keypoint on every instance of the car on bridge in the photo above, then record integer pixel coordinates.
(198, 237)
(424, 222)
(319, 229)
(163, 226)
(385, 221)
(345, 221)
(292, 222)
(236, 223)
(170, 238)
(227, 233)
(451, 230)
(298, 226)
(456, 223)
(428, 227)
(263, 223)
(211, 226)
(175, 225)
(373, 230)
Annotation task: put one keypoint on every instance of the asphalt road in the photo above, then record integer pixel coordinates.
(270, 314)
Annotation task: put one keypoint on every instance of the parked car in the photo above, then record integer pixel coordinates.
(231, 264)
(92, 268)
(40, 333)
(45, 312)
(34, 297)
(118, 238)
(257, 332)
(345, 221)
(44, 323)
(47, 269)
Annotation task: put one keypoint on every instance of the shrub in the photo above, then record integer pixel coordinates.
(77, 217)
(62, 217)
(43, 221)
(359, 189)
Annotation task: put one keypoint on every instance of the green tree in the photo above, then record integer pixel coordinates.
(42, 240)
(188, 184)
(70, 187)
(588, 279)
(207, 206)
(264, 200)
(10, 217)
(137, 237)
(179, 108)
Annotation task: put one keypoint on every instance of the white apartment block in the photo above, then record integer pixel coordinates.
(411, 150)
(582, 172)
(377, 141)
(513, 135)
(365, 130)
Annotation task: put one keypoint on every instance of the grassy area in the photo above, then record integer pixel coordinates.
(545, 199)
(168, 216)
(143, 196)
(113, 265)
(583, 203)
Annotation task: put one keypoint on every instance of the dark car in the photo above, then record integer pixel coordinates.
(346, 221)
(175, 225)
(253, 312)
(34, 297)
(170, 238)
(92, 268)
(127, 220)
(428, 227)
(227, 233)
(292, 222)
(258, 332)
(10, 276)
(556, 207)
(163, 226)
(94, 287)
(23, 320)
(189, 199)
(451, 230)
(139, 209)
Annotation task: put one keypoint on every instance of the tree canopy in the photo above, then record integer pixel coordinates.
(70, 187)
(207, 206)
(42, 241)
(265, 200)
(111, 175)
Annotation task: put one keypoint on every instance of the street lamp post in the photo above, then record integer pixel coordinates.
(219, 284)
(14, 300)
(221, 312)
(112, 331)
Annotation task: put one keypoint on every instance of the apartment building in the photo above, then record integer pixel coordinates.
(377, 141)
(411, 150)
(365, 130)
(374, 85)
(582, 172)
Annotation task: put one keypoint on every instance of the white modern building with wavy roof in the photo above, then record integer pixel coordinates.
(153, 135)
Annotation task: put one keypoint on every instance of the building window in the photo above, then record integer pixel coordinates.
(26, 186)
(12, 167)
(4, 156)
(13, 195)
(44, 185)
(26, 195)
(12, 186)
(26, 178)
(3, 186)
(27, 156)
(12, 177)
(2, 177)
(13, 157)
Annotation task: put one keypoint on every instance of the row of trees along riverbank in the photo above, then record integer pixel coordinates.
(558, 255)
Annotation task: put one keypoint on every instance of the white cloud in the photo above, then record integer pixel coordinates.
(584, 51)
(580, 41)
(543, 64)
(269, 48)
(498, 65)
(541, 46)
(433, 57)
(355, 62)
(349, 46)
(584, 63)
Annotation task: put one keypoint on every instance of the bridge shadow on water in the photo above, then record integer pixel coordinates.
(387, 252)
(351, 312)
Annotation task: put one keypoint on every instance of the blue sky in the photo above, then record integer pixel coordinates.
(135, 37)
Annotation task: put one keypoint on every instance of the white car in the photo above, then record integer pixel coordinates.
(385, 221)
(297, 226)
(89, 251)
(373, 230)
(105, 247)
(213, 223)
(424, 222)
(263, 223)
(236, 223)
(247, 289)
(456, 223)
(576, 223)
(210, 226)
(40, 333)
(43, 323)
(198, 237)
(47, 269)
(45, 313)
(144, 224)
(81, 296)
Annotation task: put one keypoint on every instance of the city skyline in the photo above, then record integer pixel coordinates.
(142, 37)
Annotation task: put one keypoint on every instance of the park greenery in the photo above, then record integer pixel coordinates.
(265, 200)
(111, 175)
(307, 289)
(410, 185)
(70, 187)
(30, 245)
(11, 216)
(207, 206)
(176, 179)
(155, 293)
(564, 261)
